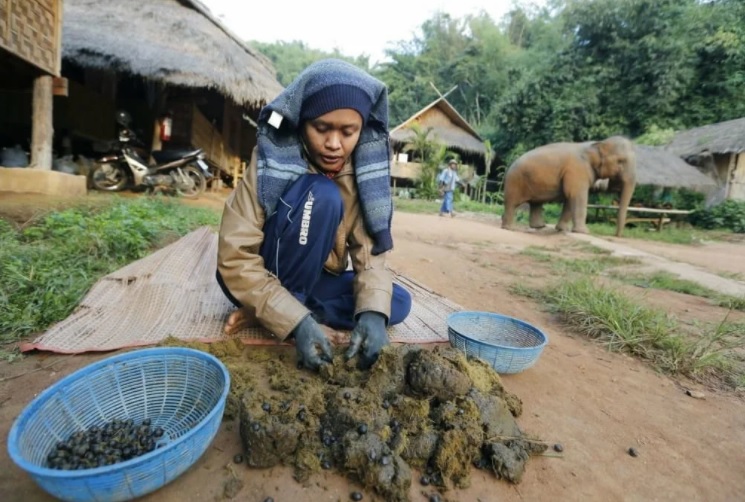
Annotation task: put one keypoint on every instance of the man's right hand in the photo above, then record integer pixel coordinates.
(313, 348)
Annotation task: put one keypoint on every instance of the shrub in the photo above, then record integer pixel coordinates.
(730, 215)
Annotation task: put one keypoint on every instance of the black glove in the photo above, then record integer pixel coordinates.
(309, 341)
(370, 334)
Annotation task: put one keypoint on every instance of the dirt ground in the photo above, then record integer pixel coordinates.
(596, 404)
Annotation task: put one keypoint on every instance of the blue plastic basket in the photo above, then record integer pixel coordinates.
(509, 345)
(181, 390)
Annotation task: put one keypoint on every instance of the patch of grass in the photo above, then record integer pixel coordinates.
(586, 247)
(433, 206)
(416, 205)
(670, 282)
(713, 352)
(736, 276)
(623, 325)
(592, 266)
(551, 213)
(11, 356)
(553, 249)
(732, 302)
(520, 289)
(47, 268)
(611, 317)
(510, 271)
(671, 235)
(537, 253)
(473, 206)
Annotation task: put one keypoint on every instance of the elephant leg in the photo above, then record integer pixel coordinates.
(510, 205)
(536, 215)
(566, 217)
(579, 212)
(508, 217)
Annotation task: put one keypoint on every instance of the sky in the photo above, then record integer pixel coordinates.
(354, 27)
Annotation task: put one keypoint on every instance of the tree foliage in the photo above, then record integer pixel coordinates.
(290, 58)
(630, 66)
(572, 70)
(431, 155)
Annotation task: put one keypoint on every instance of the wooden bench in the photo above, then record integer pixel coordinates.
(662, 216)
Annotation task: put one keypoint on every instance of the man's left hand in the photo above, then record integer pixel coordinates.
(369, 335)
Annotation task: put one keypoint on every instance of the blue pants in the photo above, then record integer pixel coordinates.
(447, 202)
(298, 238)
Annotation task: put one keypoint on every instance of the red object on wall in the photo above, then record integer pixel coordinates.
(166, 127)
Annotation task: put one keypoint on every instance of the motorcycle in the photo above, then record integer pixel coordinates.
(181, 171)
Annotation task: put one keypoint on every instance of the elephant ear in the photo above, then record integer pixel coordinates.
(607, 166)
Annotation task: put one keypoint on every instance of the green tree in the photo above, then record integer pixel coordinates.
(717, 92)
(430, 154)
(655, 136)
(470, 53)
(290, 58)
(570, 70)
(628, 66)
(640, 52)
(408, 90)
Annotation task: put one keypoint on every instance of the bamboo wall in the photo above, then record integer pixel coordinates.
(408, 170)
(206, 136)
(31, 30)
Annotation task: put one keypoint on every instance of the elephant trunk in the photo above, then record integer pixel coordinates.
(627, 190)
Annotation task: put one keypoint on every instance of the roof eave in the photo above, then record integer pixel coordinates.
(464, 123)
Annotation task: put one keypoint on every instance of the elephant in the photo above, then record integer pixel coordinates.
(565, 172)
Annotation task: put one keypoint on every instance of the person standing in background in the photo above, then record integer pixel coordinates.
(447, 181)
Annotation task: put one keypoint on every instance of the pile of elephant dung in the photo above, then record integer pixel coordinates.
(431, 410)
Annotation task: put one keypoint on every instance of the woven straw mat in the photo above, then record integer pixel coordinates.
(173, 292)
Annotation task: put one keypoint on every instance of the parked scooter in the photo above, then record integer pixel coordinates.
(178, 171)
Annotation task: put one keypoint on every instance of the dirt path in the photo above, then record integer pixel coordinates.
(717, 257)
(723, 258)
(597, 404)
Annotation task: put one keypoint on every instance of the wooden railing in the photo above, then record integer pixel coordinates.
(660, 218)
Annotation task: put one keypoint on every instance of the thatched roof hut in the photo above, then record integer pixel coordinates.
(178, 42)
(717, 149)
(447, 127)
(720, 138)
(656, 166)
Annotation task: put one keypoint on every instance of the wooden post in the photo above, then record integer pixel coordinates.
(730, 170)
(42, 129)
(157, 143)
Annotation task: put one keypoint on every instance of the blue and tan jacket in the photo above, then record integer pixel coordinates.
(242, 267)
